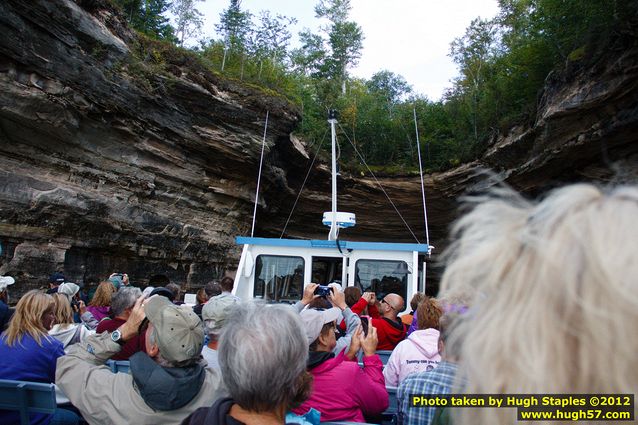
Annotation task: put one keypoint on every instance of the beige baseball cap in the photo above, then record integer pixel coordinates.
(217, 309)
(180, 335)
(313, 320)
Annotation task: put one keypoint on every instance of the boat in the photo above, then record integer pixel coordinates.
(277, 269)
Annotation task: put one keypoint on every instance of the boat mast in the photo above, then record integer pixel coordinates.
(334, 219)
(334, 228)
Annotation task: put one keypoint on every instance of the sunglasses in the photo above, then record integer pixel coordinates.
(389, 305)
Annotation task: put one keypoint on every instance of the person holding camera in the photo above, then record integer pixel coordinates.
(331, 294)
(65, 329)
(166, 383)
(118, 280)
(342, 391)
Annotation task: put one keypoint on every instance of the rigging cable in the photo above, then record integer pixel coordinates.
(425, 212)
(261, 163)
(303, 184)
(379, 183)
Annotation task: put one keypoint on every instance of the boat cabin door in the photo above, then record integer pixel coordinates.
(328, 269)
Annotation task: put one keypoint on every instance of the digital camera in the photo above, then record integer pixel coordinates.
(323, 291)
(365, 321)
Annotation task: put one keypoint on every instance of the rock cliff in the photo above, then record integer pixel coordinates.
(111, 162)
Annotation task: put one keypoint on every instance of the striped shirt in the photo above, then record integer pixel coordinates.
(436, 381)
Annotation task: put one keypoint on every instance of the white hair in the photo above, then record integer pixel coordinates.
(262, 355)
(556, 296)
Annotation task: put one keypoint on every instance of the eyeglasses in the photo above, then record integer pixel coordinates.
(389, 305)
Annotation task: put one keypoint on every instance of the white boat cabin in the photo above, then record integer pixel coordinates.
(277, 270)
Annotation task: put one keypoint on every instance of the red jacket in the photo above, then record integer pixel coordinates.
(342, 391)
(390, 333)
(358, 308)
(132, 346)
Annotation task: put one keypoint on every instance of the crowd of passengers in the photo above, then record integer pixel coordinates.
(531, 293)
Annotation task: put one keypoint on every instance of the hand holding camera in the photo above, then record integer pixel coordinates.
(365, 322)
(370, 341)
(371, 297)
(78, 306)
(309, 293)
(355, 343)
(337, 299)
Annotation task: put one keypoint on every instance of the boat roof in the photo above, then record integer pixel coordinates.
(319, 243)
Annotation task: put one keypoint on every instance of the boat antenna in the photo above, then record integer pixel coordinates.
(261, 163)
(334, 229)
(425, 211)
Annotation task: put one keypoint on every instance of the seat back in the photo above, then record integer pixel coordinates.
(121, 366)
(27, 397)
(389, 416)
(385, 355)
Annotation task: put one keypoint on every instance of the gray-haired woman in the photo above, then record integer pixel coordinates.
(262, 354)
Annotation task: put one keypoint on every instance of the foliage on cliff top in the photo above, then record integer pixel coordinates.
(504, 64)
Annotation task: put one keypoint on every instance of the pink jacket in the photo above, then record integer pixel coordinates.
(418, 353)
(342, 391)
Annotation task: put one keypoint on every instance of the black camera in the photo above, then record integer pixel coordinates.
(75, 304)
(323, 291)
(365, 324)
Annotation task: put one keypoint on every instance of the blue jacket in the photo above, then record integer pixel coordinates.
(27, 361)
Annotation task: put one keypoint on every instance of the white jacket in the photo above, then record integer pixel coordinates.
(70, 333)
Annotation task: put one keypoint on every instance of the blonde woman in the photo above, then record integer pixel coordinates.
(556, 301)
(28, 353)
(100, 305)
(65, 329)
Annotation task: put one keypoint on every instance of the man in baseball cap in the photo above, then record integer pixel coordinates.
(5, 311)
(55, 280)
(214, 313)
(167, 382)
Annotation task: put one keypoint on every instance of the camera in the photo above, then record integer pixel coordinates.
(323, 291)
(75, 304)
(364, 324)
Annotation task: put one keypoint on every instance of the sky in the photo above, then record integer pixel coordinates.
(408, 37)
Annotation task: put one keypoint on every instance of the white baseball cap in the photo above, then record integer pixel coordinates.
(6, 281)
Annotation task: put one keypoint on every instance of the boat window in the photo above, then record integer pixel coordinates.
(326, 270)
(279, 278)
(382, 277)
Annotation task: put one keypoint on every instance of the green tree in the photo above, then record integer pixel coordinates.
(188, 20)
(390, 85)
(327, 56)
(310, 58)
(346, 43)
(235, 28)
(272, 38)
(473, 53)
(147, 16)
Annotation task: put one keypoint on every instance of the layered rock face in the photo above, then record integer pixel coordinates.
(109, 166)
(586, 129)
(104, 170)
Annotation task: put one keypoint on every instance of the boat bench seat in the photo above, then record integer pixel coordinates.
(27, 397)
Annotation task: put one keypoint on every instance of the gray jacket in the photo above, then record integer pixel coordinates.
(104, 397)
(352, 321)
